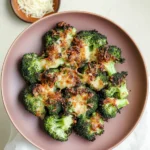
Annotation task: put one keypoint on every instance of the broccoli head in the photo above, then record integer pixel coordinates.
(39, 97)
(108, 57)
(92, 38)
(117, 86)
(52, 98)
(111, 106)
(89, 127)
(58, 127)
(32, 64)
(59, 38)
(92, 75)
(80, 101)
(34, 104)
(85, 47)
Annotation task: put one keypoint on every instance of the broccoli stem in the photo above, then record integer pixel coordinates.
(110, 67)
(121, 103)
(123, 92)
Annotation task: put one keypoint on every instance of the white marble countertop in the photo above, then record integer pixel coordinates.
(131, 15)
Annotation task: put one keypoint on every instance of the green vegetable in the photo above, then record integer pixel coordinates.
(48, 76)
(59, 38)
(92, 38)
(89, 127)
(117, 86)
(92, 75)
(43, 96)
(74, 84)
(32, 64)
(62, 78)
(58, 127)
(111, 106)
(108, 57)
(85, 47)
(34, 104)
(80, 101)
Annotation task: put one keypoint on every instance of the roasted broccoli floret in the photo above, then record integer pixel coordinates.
(59, 38)
(85, 47)
(34, 104)
(58, 127)
(74, 84)
(92, 75)
(111, 106)
(89, 127)
(32, 64)
(62, 78)
(92, 38)
(52, 98)
(80, 101)
(117, 86)
(40, 96)
(108, 57)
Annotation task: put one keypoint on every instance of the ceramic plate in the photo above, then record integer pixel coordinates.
(31, 41)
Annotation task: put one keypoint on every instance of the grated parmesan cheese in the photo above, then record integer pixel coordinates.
(36, 8)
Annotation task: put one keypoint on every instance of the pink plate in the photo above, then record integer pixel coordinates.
(31, 41)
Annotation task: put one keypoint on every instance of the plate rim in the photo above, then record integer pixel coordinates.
(68, 12)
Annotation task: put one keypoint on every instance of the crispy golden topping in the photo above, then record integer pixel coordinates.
(95, 121)
(119, 80)
(63, 24)
(110, 100)
(78, 43)
(47, 78)
(103, 55)
(38, 114)
(54, 32)
(77, 52)
(47, 93)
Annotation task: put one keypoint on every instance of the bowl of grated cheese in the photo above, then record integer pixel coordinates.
(33, 10)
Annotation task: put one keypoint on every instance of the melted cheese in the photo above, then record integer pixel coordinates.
(66, 78)
(87, 53)
(66, 37)
(52, 63)
(79, 103)
(46, 92)
(96, 122)
(97, 84)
